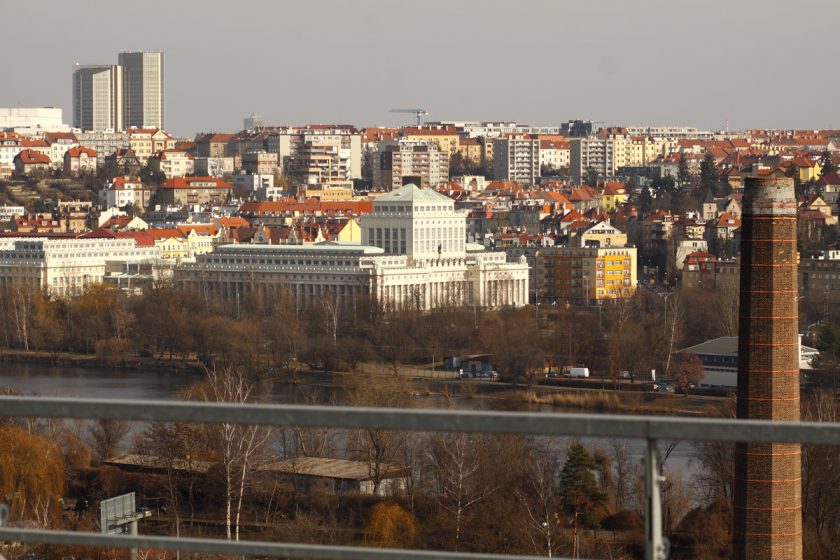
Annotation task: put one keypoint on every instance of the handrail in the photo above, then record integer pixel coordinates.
(538, 423)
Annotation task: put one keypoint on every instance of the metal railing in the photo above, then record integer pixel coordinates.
(646, 428)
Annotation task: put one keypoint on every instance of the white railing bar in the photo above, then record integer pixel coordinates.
(237, 548)
(579, 425)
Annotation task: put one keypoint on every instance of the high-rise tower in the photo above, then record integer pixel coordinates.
(97, 97)
(768, 488)
(144, 88)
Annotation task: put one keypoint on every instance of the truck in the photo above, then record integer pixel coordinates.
(577, 372)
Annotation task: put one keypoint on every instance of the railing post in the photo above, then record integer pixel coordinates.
(655, 546)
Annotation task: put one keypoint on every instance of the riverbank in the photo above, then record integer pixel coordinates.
(91, 361)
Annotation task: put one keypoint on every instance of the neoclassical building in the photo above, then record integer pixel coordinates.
(413, 255)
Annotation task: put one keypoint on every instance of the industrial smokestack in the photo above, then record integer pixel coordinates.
(768, 487)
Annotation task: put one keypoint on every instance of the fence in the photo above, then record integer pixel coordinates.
(646, 428)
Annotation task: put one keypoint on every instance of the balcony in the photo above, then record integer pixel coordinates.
(649, 429)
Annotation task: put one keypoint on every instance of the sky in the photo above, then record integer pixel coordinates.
(751, 63)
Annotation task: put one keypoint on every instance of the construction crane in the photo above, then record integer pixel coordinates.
(418, 113)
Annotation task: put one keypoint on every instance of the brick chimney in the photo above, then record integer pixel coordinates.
(768, 488)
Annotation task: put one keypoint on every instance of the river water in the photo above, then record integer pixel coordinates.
(54, 381)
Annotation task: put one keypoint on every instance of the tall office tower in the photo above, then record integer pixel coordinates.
(97, 97)
(143, 91)
(768, 488)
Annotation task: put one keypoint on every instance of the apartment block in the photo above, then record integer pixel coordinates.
(516, 158)
(585, 275)
(425, 163)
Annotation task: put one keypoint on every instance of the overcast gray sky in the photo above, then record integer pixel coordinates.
(767, 63)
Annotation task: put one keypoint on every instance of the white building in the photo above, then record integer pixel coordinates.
(64, 267)
(554, 154)
(8, 212)
(413, 255)
(720, 360)
(125, 191)
(29, 120)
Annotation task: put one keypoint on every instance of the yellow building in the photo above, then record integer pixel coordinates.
(585, 275)
(350, 233)
(615, 194)
(145, 142)
(808, 170)
(470, 149)
(333, 192)
(446, 139)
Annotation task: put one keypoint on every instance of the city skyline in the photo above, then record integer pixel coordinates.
(606, 62)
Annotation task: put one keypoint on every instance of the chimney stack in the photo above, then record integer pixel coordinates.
(768, 487)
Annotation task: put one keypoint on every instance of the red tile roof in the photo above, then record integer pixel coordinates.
(79, 150)
(30, 157)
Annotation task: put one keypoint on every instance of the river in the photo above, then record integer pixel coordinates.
(54, 381)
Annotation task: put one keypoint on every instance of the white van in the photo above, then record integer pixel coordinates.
(578, 372)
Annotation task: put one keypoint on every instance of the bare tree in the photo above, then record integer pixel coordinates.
(455, 465)
(105, 437)
(239, 446)
(542, 502)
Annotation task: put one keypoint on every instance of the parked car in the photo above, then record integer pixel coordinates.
(551, 375)
(662, 387)
(577, 372)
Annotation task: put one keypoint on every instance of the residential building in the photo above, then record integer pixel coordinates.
(213, 145)
(470, 149)
(65, 266)
(669, 132)
(614, 195)
(444, 137)
(254, 183)
(98, 97)
(145, 142)
(516, 158)
(103, 143)
(472, 183)
(30, 162)
(413, 255)
(819, 278)
(554, 154)
(143, 75)
(80, 160)
(8, 212)
(10, 146)
(173, 163)
(601, 234)
(320, 162)
(585, 275)
(123, 162)
(259, 163)
(336, 191)
(193, 190)
(59, 143)
(126, 191)
(213, 166)
(605, 153)
(425, 164)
